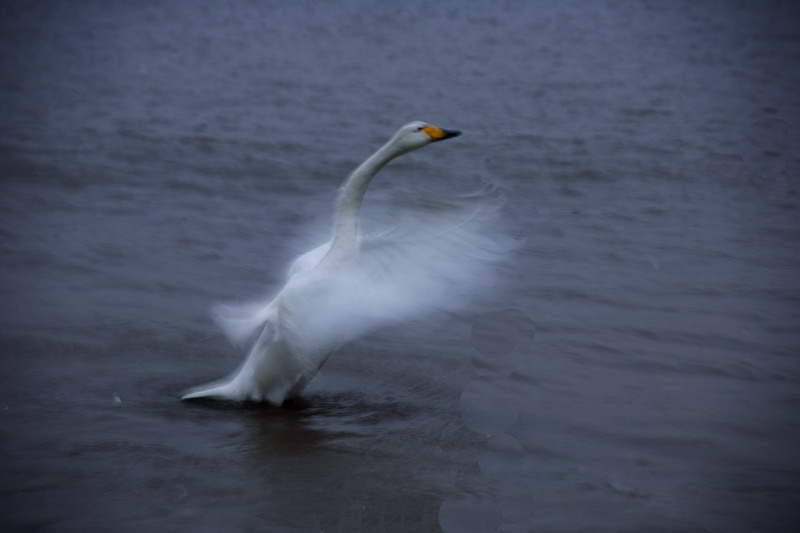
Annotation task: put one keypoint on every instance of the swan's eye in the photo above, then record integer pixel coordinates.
(421, 128)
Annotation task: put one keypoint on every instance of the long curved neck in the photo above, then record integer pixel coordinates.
(348, 201)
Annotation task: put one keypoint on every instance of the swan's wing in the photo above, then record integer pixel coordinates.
(437, 257)
(442, 253)
(308, 260)
(427, 254)
(241, 320)
(421, 216)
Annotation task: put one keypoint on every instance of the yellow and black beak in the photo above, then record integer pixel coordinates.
(439, 134)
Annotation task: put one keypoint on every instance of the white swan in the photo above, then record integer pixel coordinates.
(353, 284)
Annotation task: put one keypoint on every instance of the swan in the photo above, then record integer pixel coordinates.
(354, 283)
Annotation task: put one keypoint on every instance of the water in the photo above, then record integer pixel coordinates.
(637, 371)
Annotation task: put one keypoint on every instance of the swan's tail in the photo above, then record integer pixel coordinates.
(218, 390)
(248, 383)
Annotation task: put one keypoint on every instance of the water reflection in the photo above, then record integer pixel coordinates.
(343, 462)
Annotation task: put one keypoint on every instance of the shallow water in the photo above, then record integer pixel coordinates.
(635, 371)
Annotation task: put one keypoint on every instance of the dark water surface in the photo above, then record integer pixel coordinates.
(637, 371)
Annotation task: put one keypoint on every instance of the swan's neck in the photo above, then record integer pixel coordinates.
(348, 201)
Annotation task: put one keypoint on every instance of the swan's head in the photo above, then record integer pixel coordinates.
(418, 134)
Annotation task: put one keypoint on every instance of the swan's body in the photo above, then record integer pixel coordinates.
(345, 287)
